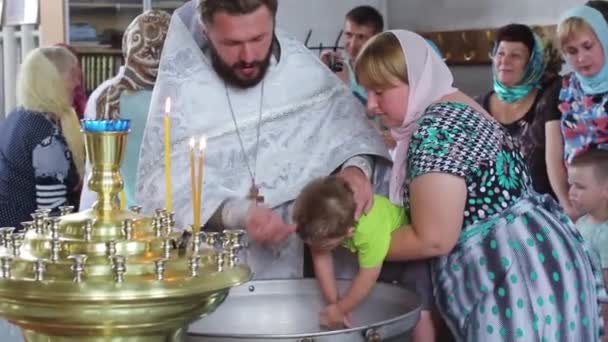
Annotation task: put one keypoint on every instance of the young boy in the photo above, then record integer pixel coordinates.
(324, 213)
(588, 178)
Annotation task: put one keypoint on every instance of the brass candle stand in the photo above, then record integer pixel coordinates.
(106, 274)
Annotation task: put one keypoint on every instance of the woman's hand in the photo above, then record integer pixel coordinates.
(361, 187)
(389, 140)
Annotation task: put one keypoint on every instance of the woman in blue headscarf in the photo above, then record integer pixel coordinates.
(583, 36)
(524, 78)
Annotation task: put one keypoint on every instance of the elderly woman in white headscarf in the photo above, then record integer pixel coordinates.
(129, 93)
(508, 262)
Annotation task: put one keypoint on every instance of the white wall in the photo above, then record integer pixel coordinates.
(445, 15)
(324, 17)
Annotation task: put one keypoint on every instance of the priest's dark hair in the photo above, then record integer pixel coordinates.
(209, 8)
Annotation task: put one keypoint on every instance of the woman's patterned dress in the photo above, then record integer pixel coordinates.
(519, 271)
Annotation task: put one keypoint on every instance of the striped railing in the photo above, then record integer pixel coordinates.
(98, 65)
(15, 43)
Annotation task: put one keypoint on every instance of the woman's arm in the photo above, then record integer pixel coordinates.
(437, 202)
(556, 170)
(324, 272)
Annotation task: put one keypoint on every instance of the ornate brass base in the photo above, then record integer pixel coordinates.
(177, 335)
(111, 275)
(157, 320)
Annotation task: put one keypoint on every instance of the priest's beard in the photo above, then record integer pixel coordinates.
(228, 72)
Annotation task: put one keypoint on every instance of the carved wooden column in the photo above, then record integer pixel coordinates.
(53, 22)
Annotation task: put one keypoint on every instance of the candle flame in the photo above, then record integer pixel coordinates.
(192, 143)
(167, 105)
(202, 144)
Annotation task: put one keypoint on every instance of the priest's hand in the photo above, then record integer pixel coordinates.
(265, 226)
(361, 186)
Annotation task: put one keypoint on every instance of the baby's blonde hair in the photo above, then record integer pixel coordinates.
(596, 159)
(325, 209)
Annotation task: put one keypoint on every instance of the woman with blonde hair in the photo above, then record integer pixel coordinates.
(583, 37)
(41, 147)
(507, 263)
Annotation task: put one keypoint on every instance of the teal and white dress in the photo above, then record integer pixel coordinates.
(520, 270)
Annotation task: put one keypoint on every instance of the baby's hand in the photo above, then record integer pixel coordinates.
(348, 320)
(333, 318)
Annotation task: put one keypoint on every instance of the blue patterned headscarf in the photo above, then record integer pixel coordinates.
(531, 79)
(597, 83)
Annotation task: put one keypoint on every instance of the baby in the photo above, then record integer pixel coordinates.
(325, 217)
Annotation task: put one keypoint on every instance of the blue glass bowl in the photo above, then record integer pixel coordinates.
(120, 125)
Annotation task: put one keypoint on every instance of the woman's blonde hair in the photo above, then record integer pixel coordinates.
(570, 28)
(38, 89)
(381, 62)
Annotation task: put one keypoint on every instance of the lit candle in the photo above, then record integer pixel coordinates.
(193, 182)
(123, 200)
(201, 157)
(168, 155)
